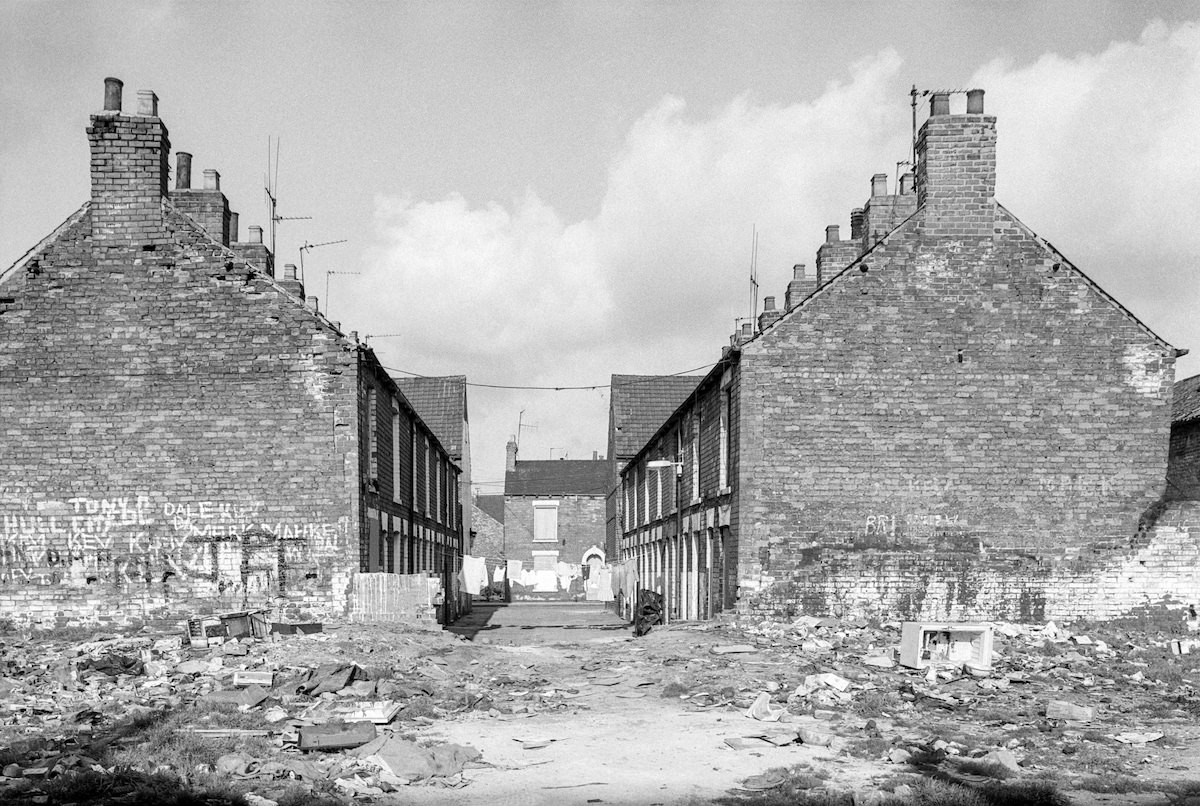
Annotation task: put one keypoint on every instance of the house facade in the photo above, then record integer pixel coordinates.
(183, 434)
(637, 406)
(553, 525)
(949, 420)
(1183, 477)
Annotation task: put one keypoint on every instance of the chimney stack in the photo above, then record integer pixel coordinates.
(833, 233)
(289, 281)
(112, 94)
(879, 185)
(799, 287)
(129, 155)
(510, 461)
(147, 103)
(207, 206)
(769, 314)
(856, 224)
(253, 252)
(906, 184)
(974, 102)
(956, 168)
(183, 170)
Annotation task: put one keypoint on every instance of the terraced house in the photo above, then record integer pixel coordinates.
(950, 420)
(183, 431)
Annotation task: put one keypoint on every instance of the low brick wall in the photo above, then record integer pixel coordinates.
(1162, 567)
(404, 598)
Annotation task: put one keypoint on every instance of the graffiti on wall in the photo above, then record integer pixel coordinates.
(143, 538)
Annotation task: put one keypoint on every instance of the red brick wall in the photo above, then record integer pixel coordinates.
(179, 434)
(952, 408)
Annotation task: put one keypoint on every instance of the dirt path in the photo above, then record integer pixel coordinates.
(624, 742)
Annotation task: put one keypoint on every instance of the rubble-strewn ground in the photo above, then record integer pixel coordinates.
(559, 704)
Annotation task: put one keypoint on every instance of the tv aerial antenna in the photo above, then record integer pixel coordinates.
(754, 274)
(308, 247)
(271, 188)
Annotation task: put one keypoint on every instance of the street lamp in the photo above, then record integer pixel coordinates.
(659, 464)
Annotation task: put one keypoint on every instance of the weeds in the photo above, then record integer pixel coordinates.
(126, 786)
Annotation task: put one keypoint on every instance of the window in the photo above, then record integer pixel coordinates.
(437, 487)
(545, 521)
(726, 404)
(658, 494)
(696, 456)
(372, 437)
(645, 494)
(395, 451)
(628, 508)
(545, 560)
(428, 475)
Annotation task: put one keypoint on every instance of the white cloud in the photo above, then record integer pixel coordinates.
(1097, 152)
(1100, 154)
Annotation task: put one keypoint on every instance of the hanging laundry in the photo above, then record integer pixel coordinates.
(474, 574)
(565, 574)
(605, 584)
(515, 572)
(498, 575)
(545, 581)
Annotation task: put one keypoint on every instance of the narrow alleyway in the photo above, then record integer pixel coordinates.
(527, 623)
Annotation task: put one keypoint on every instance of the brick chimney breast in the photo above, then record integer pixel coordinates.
(207, 205)
(799, 287)
(956, 168)
(129, 155)
(769, 313)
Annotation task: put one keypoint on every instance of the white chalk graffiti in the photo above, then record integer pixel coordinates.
(125, 540)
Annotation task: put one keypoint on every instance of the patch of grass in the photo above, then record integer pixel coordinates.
(71, 635)
(674, 690)
(300, 795)
(869, 748)
(991, 769)
(1023, 793)
(1109, 783)
(874, 703)
(126, 786)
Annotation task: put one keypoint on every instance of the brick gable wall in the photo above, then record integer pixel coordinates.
(179, 435)
(964, 412)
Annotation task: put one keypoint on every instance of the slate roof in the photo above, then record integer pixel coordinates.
(640, 404)
(441, 403)
(1186, 403)
(559, 477)
(492, 505)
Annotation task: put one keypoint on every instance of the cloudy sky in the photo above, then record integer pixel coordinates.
(541, 194)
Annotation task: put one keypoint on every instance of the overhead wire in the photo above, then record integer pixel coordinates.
(596, 386)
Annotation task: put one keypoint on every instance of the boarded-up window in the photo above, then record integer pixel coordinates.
(372, 437)
(545, 521)
(373, 545)
(395, 451)
(545, 560)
